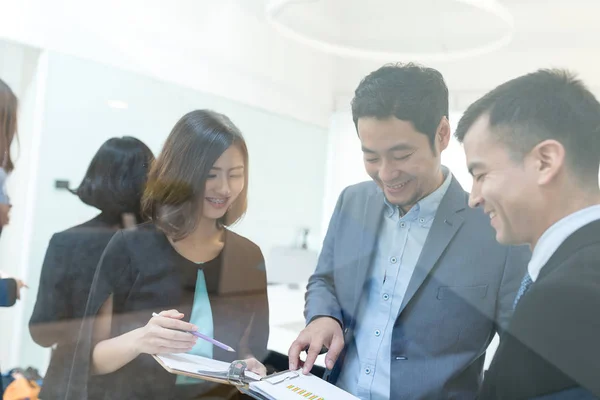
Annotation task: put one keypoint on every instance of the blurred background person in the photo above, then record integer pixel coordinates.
(187, 265)
(10, 288)
(8, 132)
(114, 184)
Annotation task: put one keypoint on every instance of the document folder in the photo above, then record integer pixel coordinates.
(285, 385)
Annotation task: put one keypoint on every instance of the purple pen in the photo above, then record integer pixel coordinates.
(204, 337)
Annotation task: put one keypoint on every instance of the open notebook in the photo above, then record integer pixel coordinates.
(286, 385)
(294, 385)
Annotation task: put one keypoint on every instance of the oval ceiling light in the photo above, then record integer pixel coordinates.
(493, 8)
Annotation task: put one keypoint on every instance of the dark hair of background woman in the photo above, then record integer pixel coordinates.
(116, 177)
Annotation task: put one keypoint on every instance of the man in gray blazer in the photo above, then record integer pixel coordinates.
(411, 285)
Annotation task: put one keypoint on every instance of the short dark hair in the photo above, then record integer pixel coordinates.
(8, 124)
(409, 92)
(174, 195)
(116, 177)
(546, 104)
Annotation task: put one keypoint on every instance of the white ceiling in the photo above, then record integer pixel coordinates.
(228, 48)
(548, 33)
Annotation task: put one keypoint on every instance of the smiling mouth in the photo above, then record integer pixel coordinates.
(398, 186)
(217, 202)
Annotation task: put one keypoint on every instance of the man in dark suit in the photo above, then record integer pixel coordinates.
(533, 148)
(410, 286)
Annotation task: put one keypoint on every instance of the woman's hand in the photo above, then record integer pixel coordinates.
(253, 365)
(162, 335)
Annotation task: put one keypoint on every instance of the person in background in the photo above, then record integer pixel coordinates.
(8, 132)
(533, 147)
(10, 288)
(114, 183)
(410, 287)
(187, 266)
(10, 291)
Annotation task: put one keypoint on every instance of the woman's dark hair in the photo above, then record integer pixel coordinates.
(116, 178)
(174, 195)
(8, 124)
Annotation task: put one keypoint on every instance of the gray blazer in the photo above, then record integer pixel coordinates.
(460, 295)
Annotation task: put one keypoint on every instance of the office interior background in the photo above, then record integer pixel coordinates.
(284, 71)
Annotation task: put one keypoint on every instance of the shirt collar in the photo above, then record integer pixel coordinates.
(428, 205)
(554, 236)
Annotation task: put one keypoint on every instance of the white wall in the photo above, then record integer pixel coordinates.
(286, 161)
(221, 47)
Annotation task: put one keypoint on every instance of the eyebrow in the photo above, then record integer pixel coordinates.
(398, 147)
(231, 169)
(475, 165)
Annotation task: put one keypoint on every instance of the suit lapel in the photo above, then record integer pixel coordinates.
(372, 217)
(582, 237)
(445, 225)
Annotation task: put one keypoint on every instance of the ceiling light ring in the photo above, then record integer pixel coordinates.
(275, 7)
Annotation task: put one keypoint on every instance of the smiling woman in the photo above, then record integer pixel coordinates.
(186, 263)
(205, 157)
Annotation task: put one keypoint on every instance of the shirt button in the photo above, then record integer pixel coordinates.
(421, 220)
(393, 260)
(386, 296)
(402, 225)
(377, 332)
(367, 371)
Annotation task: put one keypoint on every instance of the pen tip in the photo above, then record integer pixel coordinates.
(231, 350)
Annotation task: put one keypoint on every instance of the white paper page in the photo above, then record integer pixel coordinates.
(193, 363)
(308, 387)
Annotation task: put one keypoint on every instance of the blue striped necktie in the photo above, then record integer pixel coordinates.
(525, 284)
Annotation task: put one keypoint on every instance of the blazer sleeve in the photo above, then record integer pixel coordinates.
(8, 292)
(321, 299)
(49, 321)
(112, 277)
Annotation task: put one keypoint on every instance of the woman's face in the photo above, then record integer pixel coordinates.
(224, 184)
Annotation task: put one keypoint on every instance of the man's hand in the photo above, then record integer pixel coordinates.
(323, 331)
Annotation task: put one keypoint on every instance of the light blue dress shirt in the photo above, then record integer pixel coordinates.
(3, 195)
(366, 371)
